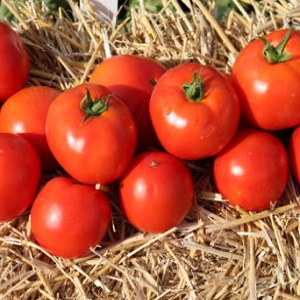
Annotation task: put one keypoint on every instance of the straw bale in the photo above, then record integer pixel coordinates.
(218, 252)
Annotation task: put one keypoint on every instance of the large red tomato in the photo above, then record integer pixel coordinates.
(252, 171)
(132, 78)
(294, 153)
(19, 177)
(266, 75)
(25, 113)
(194, 110)
(14, 62)
(91, 133)
(156, 192)
(68, 218)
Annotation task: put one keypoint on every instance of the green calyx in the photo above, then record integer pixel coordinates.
(276, 54)
(93, 108)
(194, 91)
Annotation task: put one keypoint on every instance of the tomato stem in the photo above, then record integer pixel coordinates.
(276, 54)
(93, 108)
(194, 91)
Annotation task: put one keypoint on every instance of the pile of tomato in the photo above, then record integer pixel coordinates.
(132, 128)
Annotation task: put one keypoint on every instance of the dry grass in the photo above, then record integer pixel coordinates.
(219, 252)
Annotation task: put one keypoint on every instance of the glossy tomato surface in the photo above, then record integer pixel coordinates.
(68, 218)
(132, 78)
(294, 153)
(95, 150)
(25, 113)
(19, 177)
(252, 171)
(156, 192)
(194, 128)
(14, 62)
(269, 92)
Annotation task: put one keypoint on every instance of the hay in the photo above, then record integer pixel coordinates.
(219, 252)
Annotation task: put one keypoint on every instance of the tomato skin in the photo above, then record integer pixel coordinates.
(25, 113)
(252, 171)
(294, 153)
(130, 78)
(19, 177)
(156, 192)
(194, 130)
(100, 149)
(67, 218)
(14, 61)
(269, 93)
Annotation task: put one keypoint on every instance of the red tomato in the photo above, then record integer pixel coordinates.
(93, 150)
(132, 79)
(294, 153)
(252, 171)
(19, 177)
(68, 218)
(25, 113)
(14, 62)
(194, 111)
(269, 92)
(156, 192)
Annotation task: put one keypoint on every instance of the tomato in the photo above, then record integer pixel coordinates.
(19, 177)
(91, 133)
(25, 113)
(252, 171)
(194, 111)
(68, 218)
(294, 152)
(269, 91)
(14, 61)
(132, 79)
(156, 192)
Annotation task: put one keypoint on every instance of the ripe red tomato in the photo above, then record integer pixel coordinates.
(294, 153)
(269, 91)
(68, 218)
(19, 177)
(93, 150)
(252, 171)
(194, 111)
(132, 79)
(25, 113)
(156, 192)
(14, 62)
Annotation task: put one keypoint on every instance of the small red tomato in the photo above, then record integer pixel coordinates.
(194, 110)
(68, 218)
(14, 62)
(132, 78)
(266, 76)
(252, 171)
(91, 133)
(19, 177)
(156, 192)
(294, 153)
(25, 113)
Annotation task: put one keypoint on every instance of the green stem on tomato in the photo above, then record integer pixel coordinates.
(93, 108)
(194, 91)
(276, 54)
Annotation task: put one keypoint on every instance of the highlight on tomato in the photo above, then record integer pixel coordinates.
(194, 110)
(251, 172)
(25, 113)
(156, 192)
(19, 177)
(91, 133)
(132, 78)
(69, 218)
(14, 62)
(266, 76)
